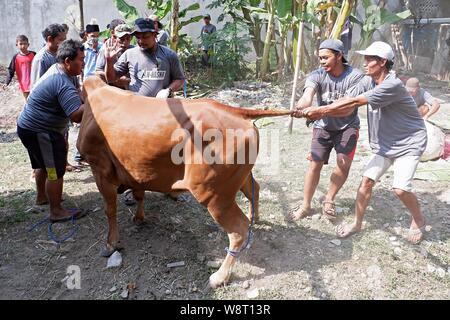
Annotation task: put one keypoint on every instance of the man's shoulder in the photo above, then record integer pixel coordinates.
(354, 71)
(166, 51)
(40, 53)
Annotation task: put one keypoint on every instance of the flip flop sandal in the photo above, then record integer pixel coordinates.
(416, 232)
(342, 227)
(301, 215)
(330, 213)
(76, 215)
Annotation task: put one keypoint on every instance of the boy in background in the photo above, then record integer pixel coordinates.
(21, 65)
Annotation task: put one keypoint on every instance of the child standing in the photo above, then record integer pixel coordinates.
(21, 64)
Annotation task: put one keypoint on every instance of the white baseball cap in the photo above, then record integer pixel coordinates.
(380, 49)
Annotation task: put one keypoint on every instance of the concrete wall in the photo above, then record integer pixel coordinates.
(30, 17)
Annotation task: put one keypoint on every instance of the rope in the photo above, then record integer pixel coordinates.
(249, 240)
(50, 232)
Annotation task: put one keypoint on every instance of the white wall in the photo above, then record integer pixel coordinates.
(30, 17)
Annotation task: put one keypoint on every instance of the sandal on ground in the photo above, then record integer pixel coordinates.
(343, 231)
(76, 215)
(300, 213)
(329, 213)
(128, 198)
(415, 236)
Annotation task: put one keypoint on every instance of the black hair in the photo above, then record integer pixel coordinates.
(68, 49)
(52, 31)
(335, 52)
(21, 37)
(65, 26)
(389, 63)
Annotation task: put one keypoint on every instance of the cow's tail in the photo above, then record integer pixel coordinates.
(256, 114)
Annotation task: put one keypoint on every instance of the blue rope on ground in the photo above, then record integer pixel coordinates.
(249, 240)
(50, 232)
(71, 233)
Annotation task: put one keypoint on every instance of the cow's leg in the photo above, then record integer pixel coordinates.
(236, 224)
(251, 192)
(109, 193)
(139, 195)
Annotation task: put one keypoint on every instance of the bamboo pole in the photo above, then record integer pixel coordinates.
(297, 68)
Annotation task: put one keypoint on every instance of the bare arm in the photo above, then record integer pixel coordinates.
(434, 108)
(76, 116)
(176, 85)
(339, 108)
(304, 102)
(112, 48)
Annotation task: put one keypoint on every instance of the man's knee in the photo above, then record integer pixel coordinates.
(400, 192)
(315, 166)
(344, 163)
(366, 185)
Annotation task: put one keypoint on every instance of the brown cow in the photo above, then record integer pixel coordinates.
(127, 140)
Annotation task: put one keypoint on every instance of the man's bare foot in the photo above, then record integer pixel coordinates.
(300, 213)
(62, 214)
(40, 201)
(346, 230)
(416, 233)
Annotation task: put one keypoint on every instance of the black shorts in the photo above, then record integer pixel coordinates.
(323, 141)
(47, 150)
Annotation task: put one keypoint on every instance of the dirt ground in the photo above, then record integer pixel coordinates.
(286, 261)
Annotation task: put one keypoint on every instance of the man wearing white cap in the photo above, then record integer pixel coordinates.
(329, 83)
(397, 135)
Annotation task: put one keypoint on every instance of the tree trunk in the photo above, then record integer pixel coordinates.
(331, 19)
(255, 29)
(441, 66)
(174, 25)
(80, 2)
(268, 41)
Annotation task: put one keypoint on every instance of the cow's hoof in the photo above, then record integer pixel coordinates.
(138, 221)
(107, 251)
(216, 280)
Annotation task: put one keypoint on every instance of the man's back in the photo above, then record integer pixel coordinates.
(42, 61)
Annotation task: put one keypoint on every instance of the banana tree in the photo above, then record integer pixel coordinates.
(374, 18)
(163, 8)
(241, 11)
(344, 13)
(270, 7)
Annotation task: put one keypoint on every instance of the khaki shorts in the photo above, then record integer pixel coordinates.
(404, 170)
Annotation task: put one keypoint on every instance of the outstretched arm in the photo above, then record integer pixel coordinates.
(304, 102)
(340, 108)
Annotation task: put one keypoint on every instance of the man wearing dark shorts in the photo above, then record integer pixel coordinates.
(329, 83)
(397, 136)
(42, 124)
